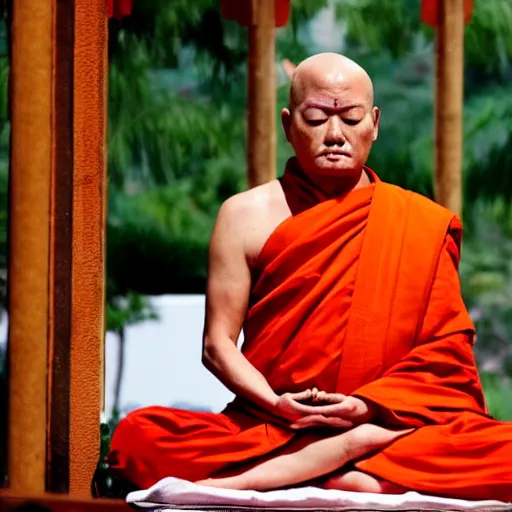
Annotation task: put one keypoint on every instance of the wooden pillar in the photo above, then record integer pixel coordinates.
(57, 231)
(29, 220)
(262, 100)
(88, 248)
(449, 104)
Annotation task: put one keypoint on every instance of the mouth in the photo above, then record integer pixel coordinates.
(335, 155)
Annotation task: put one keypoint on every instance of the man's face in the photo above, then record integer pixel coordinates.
(332, 129)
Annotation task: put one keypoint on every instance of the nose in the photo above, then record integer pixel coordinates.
(334, 135)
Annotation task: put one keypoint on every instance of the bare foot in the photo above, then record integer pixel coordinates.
(357, 481)
(224, 483)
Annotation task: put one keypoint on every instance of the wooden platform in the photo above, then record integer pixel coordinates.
(58, 503)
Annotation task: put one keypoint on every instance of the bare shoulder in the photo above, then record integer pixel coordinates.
(254, 201)
(247, 219)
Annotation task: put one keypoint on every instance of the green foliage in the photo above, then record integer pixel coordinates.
(486, 276)
(169, 136)
(176, 142)
(395, 26)
(487, 151)
(488, 45)
(157, 241)
(131, 309)
(383, 25)
(498, 390)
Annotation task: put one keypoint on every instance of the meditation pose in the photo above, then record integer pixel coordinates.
(357, 369)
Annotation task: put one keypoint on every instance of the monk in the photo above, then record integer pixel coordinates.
(357, 370)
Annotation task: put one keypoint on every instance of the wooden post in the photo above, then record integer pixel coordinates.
(449, 104)
(57, 231)
(88, 248)
(262, 100)
(29, 221)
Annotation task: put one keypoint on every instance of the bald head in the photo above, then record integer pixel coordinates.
(331, 121)
(329, 72)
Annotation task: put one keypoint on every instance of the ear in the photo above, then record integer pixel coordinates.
(376, 120)
(286, 120)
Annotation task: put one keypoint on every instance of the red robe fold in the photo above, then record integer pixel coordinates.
(358, 294)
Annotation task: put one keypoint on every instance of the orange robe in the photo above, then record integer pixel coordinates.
(360, 295)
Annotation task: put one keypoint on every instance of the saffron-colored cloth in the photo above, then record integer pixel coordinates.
(459, 451)
(358, 294)
(292, 334)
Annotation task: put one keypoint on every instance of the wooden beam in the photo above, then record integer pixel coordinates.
(449, 105)
(58, 503)
(29, 199)
(261, 101)
(88, 251)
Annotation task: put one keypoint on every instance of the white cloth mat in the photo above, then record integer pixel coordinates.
(175, 494)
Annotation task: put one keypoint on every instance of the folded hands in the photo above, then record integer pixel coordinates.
(314, 408)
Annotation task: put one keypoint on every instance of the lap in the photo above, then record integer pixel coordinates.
(467, 458)
(155, 442)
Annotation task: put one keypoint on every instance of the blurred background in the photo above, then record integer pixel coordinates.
(177, 149)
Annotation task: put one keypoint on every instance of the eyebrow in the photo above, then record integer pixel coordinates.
(323, 105)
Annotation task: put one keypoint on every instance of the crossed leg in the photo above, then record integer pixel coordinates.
(357, 481)
(309, 457)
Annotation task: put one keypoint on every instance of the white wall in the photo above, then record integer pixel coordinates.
(163, 359)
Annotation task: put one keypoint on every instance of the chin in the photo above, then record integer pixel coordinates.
(338, 170)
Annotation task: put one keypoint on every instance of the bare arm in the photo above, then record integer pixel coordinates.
(227, 297)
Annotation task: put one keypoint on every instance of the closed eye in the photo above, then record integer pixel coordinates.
(351, 122)
(315, 122)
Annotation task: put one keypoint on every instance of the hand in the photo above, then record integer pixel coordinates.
(324, 398)
(321, 421)
(300, 415)
(348, 409)
(288, 405)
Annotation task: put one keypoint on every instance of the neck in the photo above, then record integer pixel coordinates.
(329, 187)
(337, 186)
(303, 192)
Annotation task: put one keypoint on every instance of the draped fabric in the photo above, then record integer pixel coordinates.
(357, 294)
